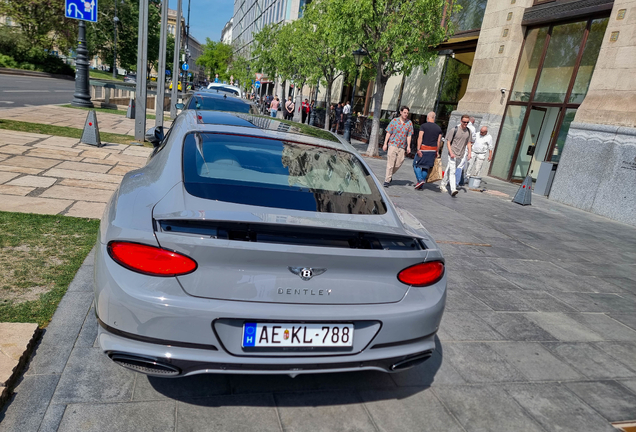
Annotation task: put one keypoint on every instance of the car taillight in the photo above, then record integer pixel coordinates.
(150, 260)
(422, 274)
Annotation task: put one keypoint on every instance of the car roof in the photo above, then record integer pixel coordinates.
(263, 126)
(206, 93)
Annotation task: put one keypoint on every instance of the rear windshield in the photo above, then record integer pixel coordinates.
(219, 104)
(280, 174)
(224, 89)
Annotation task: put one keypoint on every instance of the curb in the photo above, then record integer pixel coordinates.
(22, 72)
(9, 385)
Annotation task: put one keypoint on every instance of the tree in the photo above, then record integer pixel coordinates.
(43, 23)
(100, 35)
(216, 58)
(239, 69)
(398, 36)
(320, 41)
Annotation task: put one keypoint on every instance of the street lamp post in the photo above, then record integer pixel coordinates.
(115, 21)
(358, 56)
(81, 97)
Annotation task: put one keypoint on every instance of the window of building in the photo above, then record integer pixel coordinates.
(470, 16)
(553, 75)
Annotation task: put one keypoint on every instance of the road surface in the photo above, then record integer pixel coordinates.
(20, 91)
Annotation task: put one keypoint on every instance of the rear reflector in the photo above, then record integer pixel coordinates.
(150, 260)
(422, 274)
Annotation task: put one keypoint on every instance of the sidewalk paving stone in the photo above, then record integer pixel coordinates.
(486, 408)
(77, 194)
(535, 362)
(15, 190)
(556, 408)
(24, 204)
(610, 399)
(156, 416)
(255, 412)
(34, 181)
(408, 410)
(91, 210)
(324, 411)
(589, 360)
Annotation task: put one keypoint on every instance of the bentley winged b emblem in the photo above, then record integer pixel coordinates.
(306, 273)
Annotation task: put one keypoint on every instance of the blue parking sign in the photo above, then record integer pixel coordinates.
(249, 334)
(85, 10)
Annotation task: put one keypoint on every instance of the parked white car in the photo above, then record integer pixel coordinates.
(226, 88)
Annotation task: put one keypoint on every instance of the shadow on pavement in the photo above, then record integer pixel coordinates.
(198, 389)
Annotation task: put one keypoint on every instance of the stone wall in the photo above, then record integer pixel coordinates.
(612, 93)
(493, 70)
(597, 171)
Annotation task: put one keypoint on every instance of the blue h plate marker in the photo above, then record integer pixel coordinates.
(249, 334)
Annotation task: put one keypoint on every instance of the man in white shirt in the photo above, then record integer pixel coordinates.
(483, 145)
(346, 110)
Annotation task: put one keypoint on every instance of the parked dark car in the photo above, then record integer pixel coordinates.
(213, 101)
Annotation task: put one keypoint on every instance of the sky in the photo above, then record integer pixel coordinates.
(207, 17)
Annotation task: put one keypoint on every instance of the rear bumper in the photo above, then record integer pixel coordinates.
(154, 317)
(155, 359)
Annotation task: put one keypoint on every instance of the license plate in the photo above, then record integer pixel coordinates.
(285, 335)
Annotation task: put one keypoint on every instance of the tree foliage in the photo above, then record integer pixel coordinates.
(398, 36)
(43, 23)
(100, 35)
(216, 58)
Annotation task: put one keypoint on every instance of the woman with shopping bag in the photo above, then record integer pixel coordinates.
(429, 143)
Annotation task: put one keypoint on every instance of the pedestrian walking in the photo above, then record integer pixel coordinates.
(332, 117)
(304, 110)
(339, 110)
(483, 145)
(273, 107)
(463, 165)
(397, 143)
(289, 109)
(458, 141)
(429, 143)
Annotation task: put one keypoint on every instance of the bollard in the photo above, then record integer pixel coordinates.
(130, 113)
(524, 194)
(347, 129)
(90, 134)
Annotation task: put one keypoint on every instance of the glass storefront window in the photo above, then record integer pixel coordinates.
(528, 64)
(508, 141)
(563, 133)
(470, 16)
(588, 60)
(559, 63)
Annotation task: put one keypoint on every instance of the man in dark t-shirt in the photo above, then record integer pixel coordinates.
(338, 116)
(428, 145)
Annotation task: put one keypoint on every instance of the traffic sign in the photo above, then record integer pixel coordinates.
(185, 67)
(189, 74)
(257, 84)
(81, 10)
(258, 76)
(167, 71)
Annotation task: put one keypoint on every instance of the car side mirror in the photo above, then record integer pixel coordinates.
(179, 106)
(155, 135)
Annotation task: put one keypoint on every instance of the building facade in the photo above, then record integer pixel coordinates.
(555, 82)
(226, 33)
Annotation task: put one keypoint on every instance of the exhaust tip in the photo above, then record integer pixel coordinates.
(146, 365)
(409, 362)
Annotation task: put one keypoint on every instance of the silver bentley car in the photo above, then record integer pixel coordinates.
(249, 245)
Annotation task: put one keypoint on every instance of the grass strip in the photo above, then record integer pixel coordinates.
(63, 131)
(39, 256)
(113, 111)
(92, 73)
